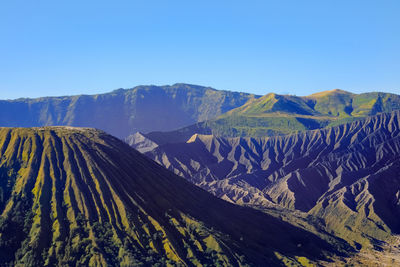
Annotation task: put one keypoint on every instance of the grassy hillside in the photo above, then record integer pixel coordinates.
(274, 114)
(282, 114)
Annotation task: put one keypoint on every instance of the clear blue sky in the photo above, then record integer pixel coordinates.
(282, 46)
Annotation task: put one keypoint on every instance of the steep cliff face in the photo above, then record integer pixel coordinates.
(123, 112)
(348, 175)
(74, 196)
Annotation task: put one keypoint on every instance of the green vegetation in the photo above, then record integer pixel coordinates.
(275, 114)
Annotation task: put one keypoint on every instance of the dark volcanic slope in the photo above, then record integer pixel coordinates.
(347, 175)
(123, 112)
(82, 197)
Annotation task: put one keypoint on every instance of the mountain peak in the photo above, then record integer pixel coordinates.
(330, 92)
(192, 139)
(201, 137)
(140, 142)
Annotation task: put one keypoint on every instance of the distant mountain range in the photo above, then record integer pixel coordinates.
(347, 175)
(123, 112)
(80, 197)
(187, 109)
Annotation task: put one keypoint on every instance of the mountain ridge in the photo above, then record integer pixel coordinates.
(124, 111)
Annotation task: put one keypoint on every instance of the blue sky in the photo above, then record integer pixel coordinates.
(296, 47)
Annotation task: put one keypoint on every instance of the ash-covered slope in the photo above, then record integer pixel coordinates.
(347, 175)
(123, 112)
(73, 196)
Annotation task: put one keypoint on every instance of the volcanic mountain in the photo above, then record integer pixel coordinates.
(347, 176)
(75, 196)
